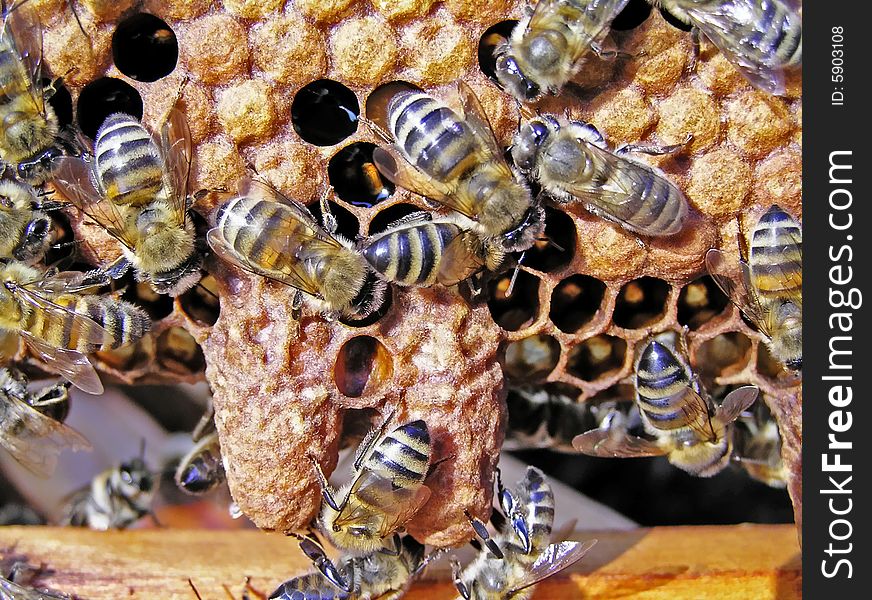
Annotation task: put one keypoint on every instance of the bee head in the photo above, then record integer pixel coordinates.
(525, 234)
(34, 239)
(527, 142)
(511, 77)
(135, 476)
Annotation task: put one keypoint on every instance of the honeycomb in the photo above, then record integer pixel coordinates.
(258, 74)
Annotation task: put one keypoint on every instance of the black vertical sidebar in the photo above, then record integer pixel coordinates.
(837, 264)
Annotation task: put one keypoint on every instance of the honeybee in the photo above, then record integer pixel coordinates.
(116, 498)
(761, 39)
(512, 562)
(31, 423)
(455, 160)
(387, 488)
(572, 162)
(265, 233)
(677, 412)
(136, 188)
(758, 447)
(547, 47)
(30, 135)
(376, 574)
(202, 469)
(771, 291)
(26, 230)
(61, 325)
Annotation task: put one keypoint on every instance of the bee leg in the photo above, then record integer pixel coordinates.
(481, 531)
(117, 268)
(314, 552)
(517, 518)
(694, 51)
(397, 546)
(326, 492)
(458, 582)
(654, 150)
(327, 217)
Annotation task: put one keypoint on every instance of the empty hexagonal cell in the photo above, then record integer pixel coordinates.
(699, 301)
(767, 365)
(519, 309)
(575, 301)
(325, 112)
(641, 302)
(61, 101)
(101, 98)
(725, 354)
(556, 248)
(597, 357)
(633, 14)
(378, 100)
(362, 366)
(144, 47)
(200, 302)
(179, 352)
(490, 39)
(355, 178)
(532, 358)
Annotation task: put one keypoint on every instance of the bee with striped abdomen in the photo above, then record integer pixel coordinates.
(136, 188)
(26, 230)
(509, 564)
(32, 426)
(761, 39)
(116, 498)
(454, 159)
(770, 294)
(263, 232)
(376, 574)
(30, 135)
(547, 47)
(61, 324)
(572, 163)
(202, 469)
(678, 413)
(387, 488)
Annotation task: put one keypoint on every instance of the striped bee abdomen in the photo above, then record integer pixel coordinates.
(127, 163)
(249, 225)
(402, 456)
(432, 136)
(662, 383)
(309, 587)
(776, 255)
(538, 498)
(410, 255)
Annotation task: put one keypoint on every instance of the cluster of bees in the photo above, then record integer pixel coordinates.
(133, 183)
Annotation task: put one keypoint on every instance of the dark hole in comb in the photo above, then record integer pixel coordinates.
(532, 358)
(675, 22)
(634, 14)
(700, 301)
(325, 112)
(390, 215)
(61, 101)
(355, 178)
(518, 310)
(144, 47)
(101, 98)
(178, 352)
(201, 301)
(575, 301)
(346, 222)
(490, 39)
(641, 302)
(141, 293)
(362, 366)
(596, 357)
(557, 245)
(724, 354)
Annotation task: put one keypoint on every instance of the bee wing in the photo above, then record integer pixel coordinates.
(698, 415)
(617, 197)
(553, 559)
(24, 33)
(400, 502)
(745, 299)
(175, 144)
(736, 402)
(392, 164)
(54, 315)
(38, 439)
(74, 181)
(597, 17)
(71, 364)
(475, 117)
(615, 443)
(461, 258)
(71, 282)
(728, 26)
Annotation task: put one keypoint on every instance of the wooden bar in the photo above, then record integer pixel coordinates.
(758, 562)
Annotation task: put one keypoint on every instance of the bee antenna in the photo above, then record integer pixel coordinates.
(207, 290)
(551, 243)
(511, 287)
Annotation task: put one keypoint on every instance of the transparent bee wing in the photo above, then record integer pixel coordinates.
(475, 117)
(392, 164)
(74, 181)
(374, 490)
(615, 443)
(736, 402)
(617, 198)
(23, 33)
(462, 258)
(37, 439)
(730, 27)
(743, 297)
(553, 559)
(253, 188)
(71, 364)
(598, 16)
(69, 282)
(176, 147)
